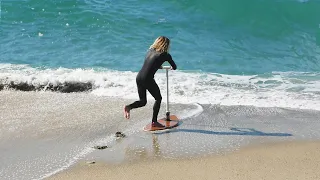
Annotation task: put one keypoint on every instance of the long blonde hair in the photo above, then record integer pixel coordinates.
(161, 44)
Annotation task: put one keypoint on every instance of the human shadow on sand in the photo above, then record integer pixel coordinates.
(234, 131)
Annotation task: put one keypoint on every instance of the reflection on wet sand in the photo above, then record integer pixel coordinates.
(137, 153)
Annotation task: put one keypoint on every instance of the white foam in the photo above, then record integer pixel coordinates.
(289, 89)
(191, 113)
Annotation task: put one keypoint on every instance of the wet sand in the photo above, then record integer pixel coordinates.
(274, 161)
(45, 133)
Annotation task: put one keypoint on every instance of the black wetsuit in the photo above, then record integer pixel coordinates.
(145, 80)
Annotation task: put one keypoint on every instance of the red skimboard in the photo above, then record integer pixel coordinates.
(174, 122)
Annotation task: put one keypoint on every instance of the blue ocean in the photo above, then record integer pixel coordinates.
(67, 67)
(263, 50)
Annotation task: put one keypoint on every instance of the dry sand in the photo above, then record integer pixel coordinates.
(278, 161)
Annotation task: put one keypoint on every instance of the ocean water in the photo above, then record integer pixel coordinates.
(253, 52)
(247, 71)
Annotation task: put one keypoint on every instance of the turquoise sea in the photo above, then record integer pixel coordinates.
(229, 37)
(251, 46)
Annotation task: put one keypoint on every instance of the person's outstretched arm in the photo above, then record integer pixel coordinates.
(171, 62)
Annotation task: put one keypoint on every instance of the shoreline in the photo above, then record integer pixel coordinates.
(280, 160)
(53, 133)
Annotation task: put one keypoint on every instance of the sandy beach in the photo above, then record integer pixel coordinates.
(274, 161)
(46, 135)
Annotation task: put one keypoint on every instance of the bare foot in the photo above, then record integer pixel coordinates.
(157, 124)
(126, 112)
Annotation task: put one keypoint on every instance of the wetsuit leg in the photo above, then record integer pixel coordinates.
(142, 96)
(154, 90)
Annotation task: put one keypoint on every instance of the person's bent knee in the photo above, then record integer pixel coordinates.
(143, 102)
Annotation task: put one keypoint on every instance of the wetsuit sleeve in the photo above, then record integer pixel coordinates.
(171, 62)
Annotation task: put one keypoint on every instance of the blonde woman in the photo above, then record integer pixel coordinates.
(156, 56)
